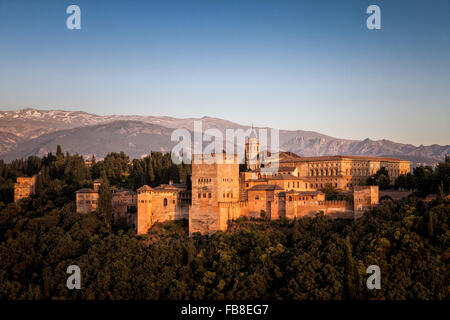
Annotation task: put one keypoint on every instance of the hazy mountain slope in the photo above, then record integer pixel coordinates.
(30, 123)
(427, 155)
(133, 137)
(30, 131)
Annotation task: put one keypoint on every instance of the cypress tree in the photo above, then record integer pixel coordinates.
(104, 208)
(430, 225)
(59, 152)
(351, 275)
(150, 172)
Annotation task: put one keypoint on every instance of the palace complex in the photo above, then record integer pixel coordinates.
(24, 187)
(288, 187)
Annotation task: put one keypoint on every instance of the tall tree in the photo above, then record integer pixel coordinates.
(59, 152)
(352, 279)
(104, 207)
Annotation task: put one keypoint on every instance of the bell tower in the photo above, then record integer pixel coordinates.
(252, 158)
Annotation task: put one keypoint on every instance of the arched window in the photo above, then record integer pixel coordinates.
(165, 202)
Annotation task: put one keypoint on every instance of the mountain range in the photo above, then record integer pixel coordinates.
(36, 132)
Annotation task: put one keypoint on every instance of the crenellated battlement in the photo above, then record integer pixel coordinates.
(220, 193)
(215, 158)
(334, 203)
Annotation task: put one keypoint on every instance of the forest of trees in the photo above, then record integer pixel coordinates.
(71, 173)
(424, 179)
(309, 258)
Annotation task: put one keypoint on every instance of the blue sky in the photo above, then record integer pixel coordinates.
(310, 65)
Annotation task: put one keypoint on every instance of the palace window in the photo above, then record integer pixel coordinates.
(165, 202)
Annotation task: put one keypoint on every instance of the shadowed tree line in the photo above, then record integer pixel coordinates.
(424, 179)
(70, 172)
(309, 258)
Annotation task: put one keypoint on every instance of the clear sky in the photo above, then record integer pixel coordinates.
(310, 65)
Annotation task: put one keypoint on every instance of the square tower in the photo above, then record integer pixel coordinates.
(215, 185)
(144, 209)
(24, 187)
(364, 197)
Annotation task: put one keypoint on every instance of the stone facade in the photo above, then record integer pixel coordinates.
(343, 172)
(364, 198)
(220, 193)
(164, 203)
(124, 202)
(86, 200)
(215, 192)
(24, 187)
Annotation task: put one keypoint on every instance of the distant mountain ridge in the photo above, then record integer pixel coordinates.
(36, 132)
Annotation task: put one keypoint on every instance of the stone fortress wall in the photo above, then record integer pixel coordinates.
(24, 187)
(220, 193)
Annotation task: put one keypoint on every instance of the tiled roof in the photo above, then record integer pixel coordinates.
(302, 193)
(145, 188)
(285, 159)
(171, 187)
(86, 190)
(284, 177)
(124, 190)
(309, 193)
(286, 168)
(267, 187)
(280, 177)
